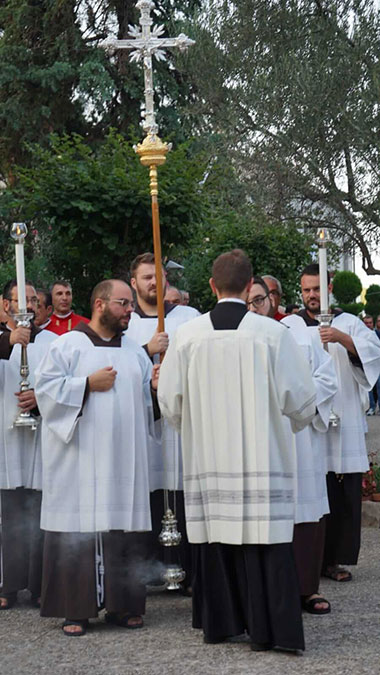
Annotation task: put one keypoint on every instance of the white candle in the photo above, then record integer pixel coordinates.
(20, 274)
(323, 286)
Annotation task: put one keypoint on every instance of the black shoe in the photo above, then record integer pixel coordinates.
(261, 646)
(213, 640)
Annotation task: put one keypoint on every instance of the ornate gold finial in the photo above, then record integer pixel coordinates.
(152, 151)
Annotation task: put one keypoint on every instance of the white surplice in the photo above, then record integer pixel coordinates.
(346, 445)
(95, 465)
(20, 448)
(226, 391)
(165, 461)
(311, 446)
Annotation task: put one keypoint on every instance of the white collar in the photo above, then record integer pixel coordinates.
(232, 300)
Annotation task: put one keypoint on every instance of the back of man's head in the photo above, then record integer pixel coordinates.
(232, 271)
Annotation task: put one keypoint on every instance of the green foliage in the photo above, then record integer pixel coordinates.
(372, 299)
(292, 87)
(352, 307)
(90, 210)
(273, 249)
(346, 287)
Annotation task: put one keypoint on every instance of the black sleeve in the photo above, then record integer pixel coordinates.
(5, 346)
(85, 396)
(156, 407)
(355, 360)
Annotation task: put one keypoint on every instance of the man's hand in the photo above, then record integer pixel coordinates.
(26, 400)
(103, 379)
(155, 375)
(158, 344)
(330, 334)
(20, 335)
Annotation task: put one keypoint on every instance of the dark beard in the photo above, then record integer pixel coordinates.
(150, 299)
(313, 310)
(108, 320)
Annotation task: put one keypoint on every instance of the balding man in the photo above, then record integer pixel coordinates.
(94, 392)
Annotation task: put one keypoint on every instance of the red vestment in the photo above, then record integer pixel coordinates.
(60, 326)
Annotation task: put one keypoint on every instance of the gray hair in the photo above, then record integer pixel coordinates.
(269, 276)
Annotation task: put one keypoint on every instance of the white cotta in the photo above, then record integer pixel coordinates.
(20, 448)
(165, 460)
(227, 392)
(95, 464)
(312, 500)
(346, 447)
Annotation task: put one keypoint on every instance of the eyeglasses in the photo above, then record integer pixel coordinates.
(123, 302)
(258, 301)
(32, 301)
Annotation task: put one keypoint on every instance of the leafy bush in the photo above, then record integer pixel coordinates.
(346, 287)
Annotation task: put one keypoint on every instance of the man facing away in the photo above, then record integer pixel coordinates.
(227, 380)
(356, 354)
(63, 319)
(94, 389)
(165, 465)
(20, 457)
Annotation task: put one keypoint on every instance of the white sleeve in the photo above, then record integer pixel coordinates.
(367, 345)
(325, 381)
(170, 386)
(58, 392)
(295, 386)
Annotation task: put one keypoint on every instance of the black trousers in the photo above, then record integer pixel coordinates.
(343, 523)
(69, 579)
(249, 587)
(308, 547)
(22, 541)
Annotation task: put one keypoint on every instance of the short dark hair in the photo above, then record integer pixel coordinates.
(47, 296)
(61, 282)
(102, 290)
(312, 270)
(289, 308)
(144, 258)
(261, 282)
(232, 271)
(9, 286)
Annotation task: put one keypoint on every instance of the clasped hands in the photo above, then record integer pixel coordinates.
(103, 379)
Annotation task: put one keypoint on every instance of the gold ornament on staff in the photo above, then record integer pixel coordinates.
(24, 419)
(325, 318)
(145, 43)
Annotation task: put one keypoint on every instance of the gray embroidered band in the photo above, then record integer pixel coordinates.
(240, 497)
(239, 474)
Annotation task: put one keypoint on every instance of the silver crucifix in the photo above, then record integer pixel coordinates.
(145, 43)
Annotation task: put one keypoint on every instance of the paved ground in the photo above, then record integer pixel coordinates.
(346, 641)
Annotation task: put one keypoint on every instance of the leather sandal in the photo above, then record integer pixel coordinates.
(309, 605)
(83, 625)
(124, 621)
(335, 572)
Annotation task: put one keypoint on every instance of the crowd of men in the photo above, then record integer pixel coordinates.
(255, 421)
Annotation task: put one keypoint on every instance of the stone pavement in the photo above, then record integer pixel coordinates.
(343, 642)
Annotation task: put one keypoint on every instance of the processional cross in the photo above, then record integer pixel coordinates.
(145, 43)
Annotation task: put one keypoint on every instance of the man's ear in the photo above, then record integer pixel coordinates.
(6, 305)
(212, 285)
(133, 283)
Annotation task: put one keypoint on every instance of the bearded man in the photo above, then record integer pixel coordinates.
(94, 390)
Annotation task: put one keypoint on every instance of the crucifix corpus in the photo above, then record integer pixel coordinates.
(145, 43)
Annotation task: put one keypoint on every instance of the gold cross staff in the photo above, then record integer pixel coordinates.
(145, 43)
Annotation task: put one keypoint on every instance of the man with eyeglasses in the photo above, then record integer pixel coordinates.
(63, 319)
(20, 455)
(165, 464)
(95, 389)
(275, 292)
(312, 501)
